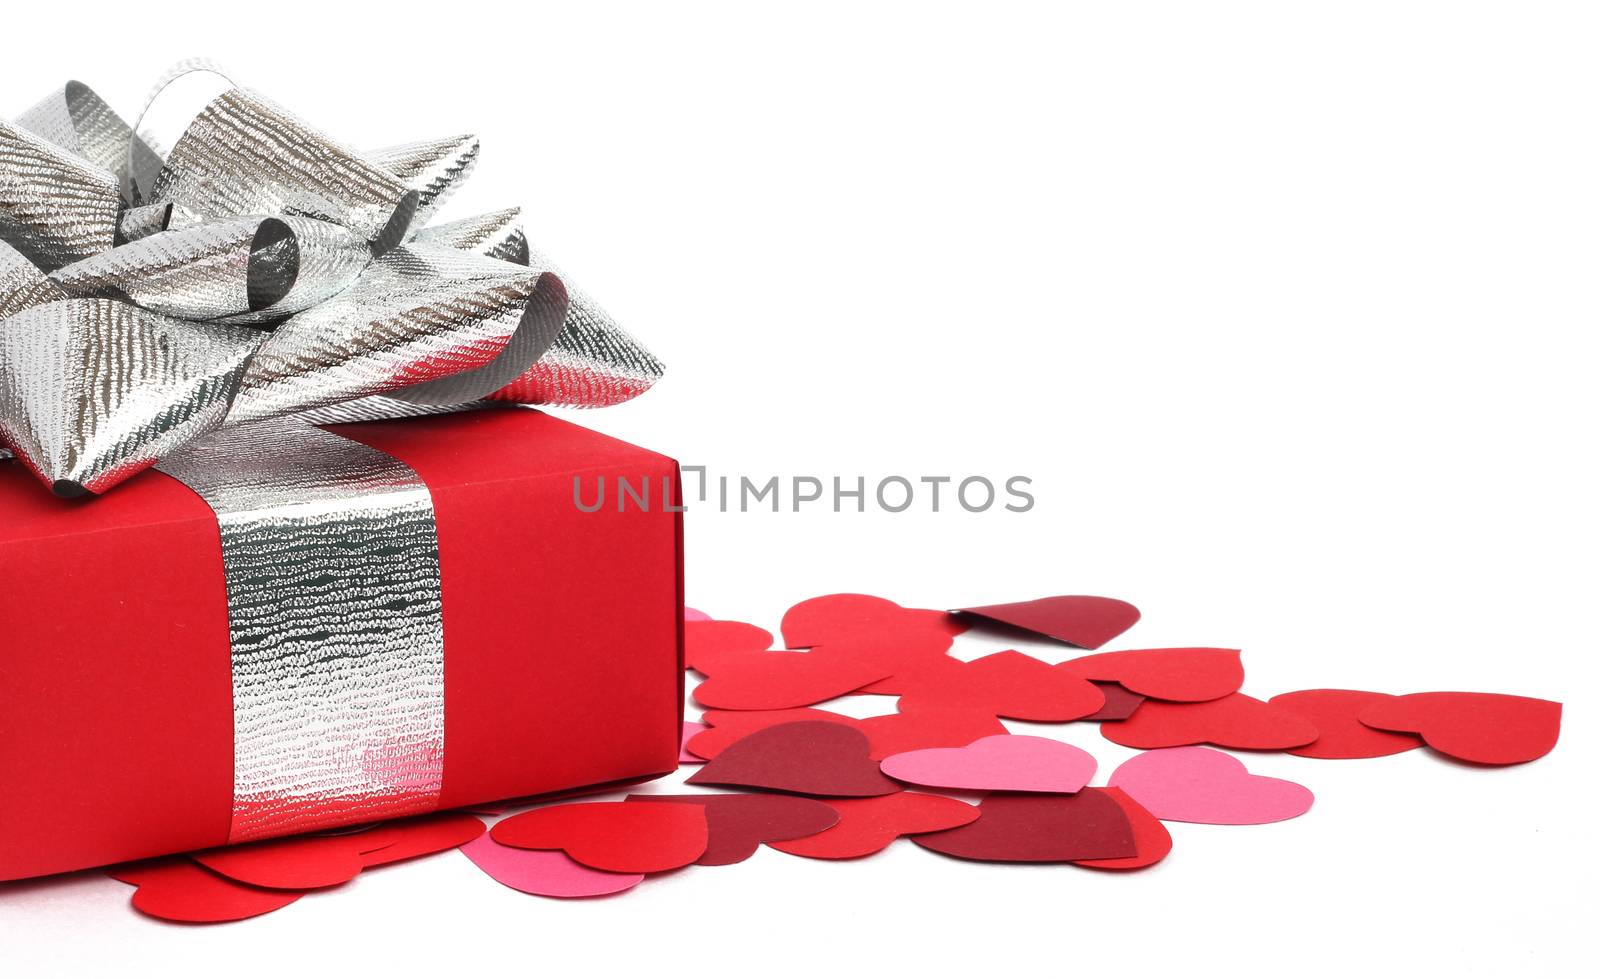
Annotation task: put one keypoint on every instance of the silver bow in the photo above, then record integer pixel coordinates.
(260, 270)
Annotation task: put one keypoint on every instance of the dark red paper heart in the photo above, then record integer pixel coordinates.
(297, 863)
(1150, 836)
(808, 757)
(1120, 702)
(773, 681)
(1187, 674)
(1482, 728)
(1005, 684)
(1339, 733)
(1078, 620)
(707, 643)
(738, 823)
(1038, 828)
(178, 889)
(622, 837)
(832, 617)
(868, 825)
(1234, 721)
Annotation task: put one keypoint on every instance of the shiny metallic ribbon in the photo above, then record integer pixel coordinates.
(199, 308)
(334, 613)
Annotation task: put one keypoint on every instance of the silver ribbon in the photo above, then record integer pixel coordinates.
(334, 612)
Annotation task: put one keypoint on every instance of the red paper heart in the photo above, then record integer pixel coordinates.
(1150, 837)
(773, 681)
(1339, 734)
(1120, 702)
(177, 889)
(1187, 674)
(425, 835)
(919, 727)
(1006, 684)
(832, 617)
(1234, 721)
(927, 727)
(1089, 825)
(866, 826)
(297, 863)
(707, 643)
(740, 822)
(808, 757)
(728, 726)
(1078, 620)
(902, 654)
(622, 837)
(1483, 728)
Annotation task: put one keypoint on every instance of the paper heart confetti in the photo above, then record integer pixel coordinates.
(620, 837)
(178, 889)
(1086, 621)
(298, 862)
(1120, 702)
(728, 726)
(826, 618)
(690, 730)
(926, 726)
(740, 822)
(1202, 785)
(1150, 837)
(1482, 728)
(423, 836)
(1339, 733)
(903, 654)
(708, 643)
(999, 763)
(547, 873)
(809, 757)
(1040, 829)
(773, 681)
(1188, 674)
(1006, 684)
(694, 615)
(867, 826)
(1234, 721)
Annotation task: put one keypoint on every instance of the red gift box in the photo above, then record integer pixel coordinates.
(562, 638)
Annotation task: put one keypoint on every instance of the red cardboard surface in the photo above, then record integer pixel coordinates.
(1234, 721)
(739, 822)
(1483, 728)
(866, 826)
(1198, 673)
(620, 837)
(809, 757)
(1339, 733)
(115, 686)
(1078, 620)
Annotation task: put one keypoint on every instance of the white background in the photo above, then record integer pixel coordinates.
(1287, 310)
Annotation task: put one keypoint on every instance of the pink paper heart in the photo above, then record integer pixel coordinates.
(694, 615)
(998, 763)
(690, 729)
(1202, 785)
(547, 873)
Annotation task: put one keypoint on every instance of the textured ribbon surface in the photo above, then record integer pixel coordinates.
(255, 218)
(336, 625)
